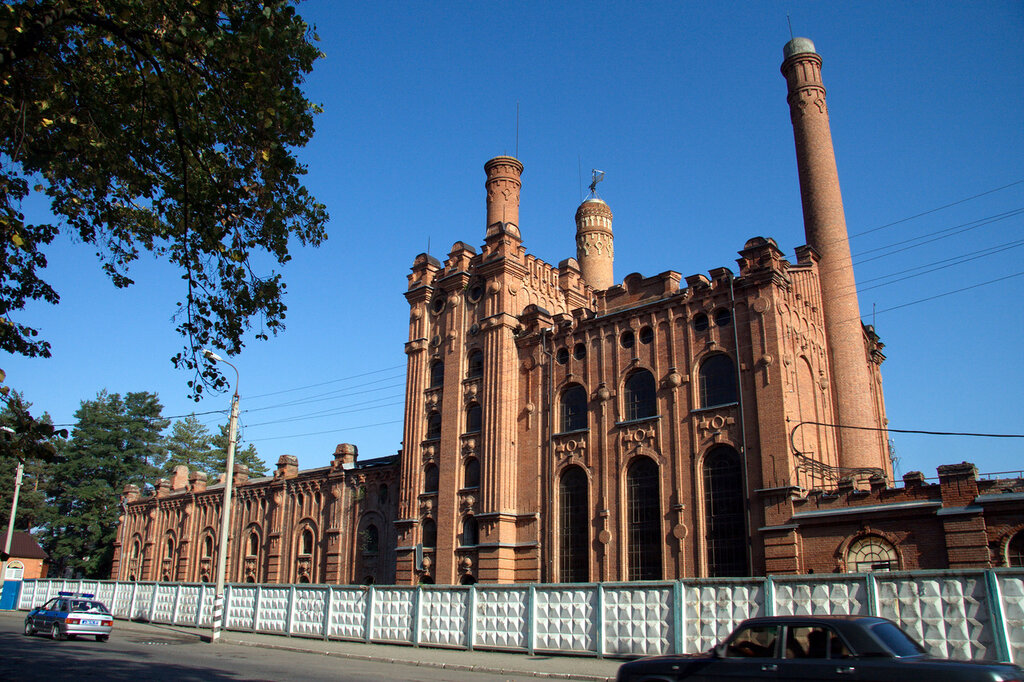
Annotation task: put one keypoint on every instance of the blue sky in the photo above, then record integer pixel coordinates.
(683, 106)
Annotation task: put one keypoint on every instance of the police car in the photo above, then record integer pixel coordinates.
(70, 614)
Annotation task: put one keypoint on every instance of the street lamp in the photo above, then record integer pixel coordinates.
(14, 509)
(222, 551)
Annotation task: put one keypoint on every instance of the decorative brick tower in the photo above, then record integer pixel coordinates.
(594, 249)
(825, 227)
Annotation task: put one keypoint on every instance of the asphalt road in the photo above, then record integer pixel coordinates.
(139, 651)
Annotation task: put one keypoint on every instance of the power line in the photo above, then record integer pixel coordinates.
(920, 431)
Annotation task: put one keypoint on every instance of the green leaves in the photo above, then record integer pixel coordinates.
(166, 126)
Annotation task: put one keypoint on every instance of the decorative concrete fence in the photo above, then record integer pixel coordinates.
(955, 614)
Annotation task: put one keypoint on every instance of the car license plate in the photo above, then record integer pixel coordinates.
(90, 622)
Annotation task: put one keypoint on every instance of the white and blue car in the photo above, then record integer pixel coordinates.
(70, 614)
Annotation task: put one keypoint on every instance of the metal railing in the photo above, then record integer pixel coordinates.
(955, 614)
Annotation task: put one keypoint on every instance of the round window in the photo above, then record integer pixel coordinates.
(437, 304)
(562, 356)
(579, 351)
(627, 339)
(723, 317)
(646, 335)
(475, 292)
(700, 322)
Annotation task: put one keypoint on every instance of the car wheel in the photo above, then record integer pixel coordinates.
(102, 638)
(57, 634)
(29, 629)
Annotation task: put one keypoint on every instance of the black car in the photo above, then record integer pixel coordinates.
(817, 648)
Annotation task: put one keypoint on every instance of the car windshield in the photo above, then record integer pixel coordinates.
(88, 607)
(896, 640)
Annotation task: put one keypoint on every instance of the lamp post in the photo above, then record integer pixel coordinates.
(14, 510)
(225, 514)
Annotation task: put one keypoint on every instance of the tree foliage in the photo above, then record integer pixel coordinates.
(28, 449)
(115, 442)
(166, 126)
(189, 445)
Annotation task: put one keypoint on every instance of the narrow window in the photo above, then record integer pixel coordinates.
(474, 418)
(430, 479)
(434, 425)
(471, 479)
(640, 396)
(371, 539)
(254, 543)
(723, 513)
(170, 547)
(717, 381)
(573, 520)
(574, 408)
(470, 532)
(208, 547)
(429, 533)
(643, 502)
(476, 365)
(437, 374)
(307, 542)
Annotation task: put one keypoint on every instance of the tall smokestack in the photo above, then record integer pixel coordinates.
(503, 185)
(825, 227)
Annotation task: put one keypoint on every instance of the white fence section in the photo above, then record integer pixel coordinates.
(956, 614)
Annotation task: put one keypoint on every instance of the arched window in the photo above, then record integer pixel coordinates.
(208, 547)
(471, 474)
(475, 367)
(306, 544)
(434, 425)
(474, 418)
(871, 553)
(717, 381)
(470, 532)
(371, 539)
(574, 559)
(437, 374)
(724, 512)
(15, 570)
(136, 548)
(574, 408)
(640, 398)
(643, 501)
(254, 543)
(429, 533)
(1015, 550)
(170, 547)
(430, 478)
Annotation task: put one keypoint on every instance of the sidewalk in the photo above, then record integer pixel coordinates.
(545, 666)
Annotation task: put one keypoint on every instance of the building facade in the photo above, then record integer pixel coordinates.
(563, 426)
(328, 525)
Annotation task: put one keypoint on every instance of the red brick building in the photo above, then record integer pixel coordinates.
(563, 427)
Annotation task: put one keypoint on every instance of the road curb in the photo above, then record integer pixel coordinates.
(424, 664)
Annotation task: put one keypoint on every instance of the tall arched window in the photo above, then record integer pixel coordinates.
(136, 548)
(723, 513)
(429, 533)
(254, 543)
(717, 381)
(643, 501)
(471, 477)
(474, 418)
(208, 547)
(434, 425)
(470, 532)
(871, 553)
(640, 399)
(306, 544)
(574, 408)
(437, 374)
(371, 539)
(475, 365)
(430, 478)
(1015, 550)
(574, 559)
(170, 547)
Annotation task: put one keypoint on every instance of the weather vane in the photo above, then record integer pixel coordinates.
(598, 176)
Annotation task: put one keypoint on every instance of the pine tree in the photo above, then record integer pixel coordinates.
(116, 441)
(247, 455)
(32, 497)
(189, 445)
